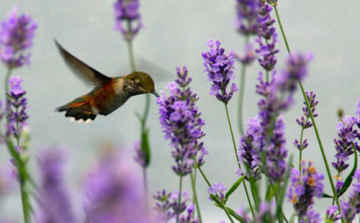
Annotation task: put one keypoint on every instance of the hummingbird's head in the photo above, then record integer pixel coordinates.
(140, 83)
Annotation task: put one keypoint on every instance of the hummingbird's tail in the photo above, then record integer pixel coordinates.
(81, 112)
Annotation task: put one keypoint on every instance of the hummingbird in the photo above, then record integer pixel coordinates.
(109, 93)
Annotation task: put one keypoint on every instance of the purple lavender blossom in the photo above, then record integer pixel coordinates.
(277, 153)
(167, 205)
(181, 123)
(16, 115)
(247, 17)
(249, 143)
(55, 205)
(304, 187)
(189, 218)
(312, 217)
(114, 192)
(16, 36)
(331, 215)
(219, 68)
(217, 190)
(128, 11)
(263, 214)
(140, 155)
(248, 57)
(351, 207)
(296, 70)
(343, 145)
(266, 51)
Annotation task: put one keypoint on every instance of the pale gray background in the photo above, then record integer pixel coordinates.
(175, 35)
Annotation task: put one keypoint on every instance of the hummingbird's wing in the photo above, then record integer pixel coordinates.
(81, 69)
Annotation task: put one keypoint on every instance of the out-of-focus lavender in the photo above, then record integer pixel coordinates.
(351, 207)
(140, 155)
(16, 34)
(267, 38)
(167, 205)
(16, 115)
(53, 198)
(265, 213)
(7, 180)
(246, 22)
(127, 18)
(217, 190)
(114, 192)
(331, 214)
(304, 187)
(181, 123)
(189, 218)
(219, 69)
(248, 56)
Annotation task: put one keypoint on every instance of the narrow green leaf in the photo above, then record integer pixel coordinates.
(292, 218)
(327, 196)
(234, 187)
(235, 215)
(269, 193)
(145, 147)
(216, 200)
(349, 178)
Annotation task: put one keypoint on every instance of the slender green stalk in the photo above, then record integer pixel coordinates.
(130, 47)
(237, 158)
(7, 77)
(179, 200)
(227, 213)
(196, 201)
(145, 186)
(242, 92)
(311, 115)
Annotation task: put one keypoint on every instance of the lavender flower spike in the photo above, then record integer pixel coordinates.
(219, 68)
(16, 36)
(55, 205)
(217, 190)
(304, 187)
(247, 16)
(16, 115)
(128, 11)
(181, 123)
(351, 207)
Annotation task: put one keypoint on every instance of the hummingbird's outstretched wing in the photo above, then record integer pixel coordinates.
(81, 69)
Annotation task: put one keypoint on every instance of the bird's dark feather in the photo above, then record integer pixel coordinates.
(81, 69)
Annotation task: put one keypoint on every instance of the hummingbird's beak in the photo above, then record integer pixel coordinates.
(155, 93)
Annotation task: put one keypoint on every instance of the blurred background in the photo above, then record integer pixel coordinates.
(175, 34)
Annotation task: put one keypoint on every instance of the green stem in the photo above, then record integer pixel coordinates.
(227, 213)
(237, 158)
(7, 77)
(130, 48)
(196, 201)
(242, 92)
(311, 116)
(282, 30)
(179, 200)
(301, 146)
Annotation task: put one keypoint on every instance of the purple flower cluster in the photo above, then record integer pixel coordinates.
(247, 17)
(140, 155)
(247, 149)
(352, 207)
(53, 197)
(189, 218)
(219, 68)
(304, 187)
(181, 123)
(167, 206)
(311, 217)
(16, 34)
(128, 11)
(266, 51)
(348, 136)
(16, 115)
(304, 122)
(331, 215)
(217, 190)
(263, 214)
(114, 192)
